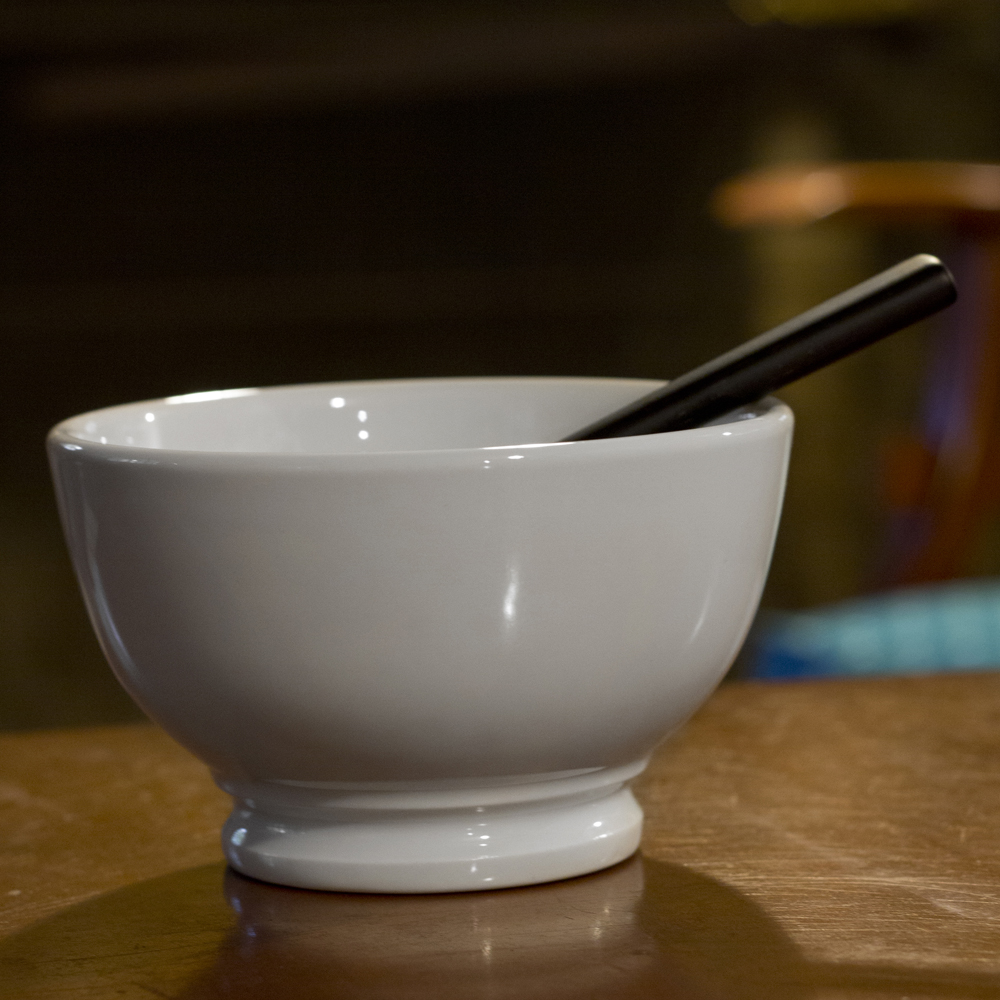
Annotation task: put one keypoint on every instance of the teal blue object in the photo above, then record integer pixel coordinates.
(952, 626)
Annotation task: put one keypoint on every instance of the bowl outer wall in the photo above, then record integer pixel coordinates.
(426, 616)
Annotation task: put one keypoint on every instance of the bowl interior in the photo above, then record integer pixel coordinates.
(358, 417)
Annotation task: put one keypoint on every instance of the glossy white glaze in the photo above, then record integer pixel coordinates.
(397, 592)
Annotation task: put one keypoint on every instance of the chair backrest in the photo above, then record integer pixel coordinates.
(945, 480)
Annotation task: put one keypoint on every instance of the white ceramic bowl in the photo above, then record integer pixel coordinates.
(423, 649)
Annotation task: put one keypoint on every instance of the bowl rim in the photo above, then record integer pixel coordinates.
(61, 440)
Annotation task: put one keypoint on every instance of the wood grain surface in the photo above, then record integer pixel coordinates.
(819, 840)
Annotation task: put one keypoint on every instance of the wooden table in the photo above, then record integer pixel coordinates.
(817, 840)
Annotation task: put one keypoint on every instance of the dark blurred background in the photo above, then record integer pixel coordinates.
(219, 194)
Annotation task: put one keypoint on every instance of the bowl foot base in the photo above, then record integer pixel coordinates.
(418, 850)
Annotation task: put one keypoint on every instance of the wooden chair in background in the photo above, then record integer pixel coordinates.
(942, 483)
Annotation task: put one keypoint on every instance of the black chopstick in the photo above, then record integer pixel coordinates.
(890, 301)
